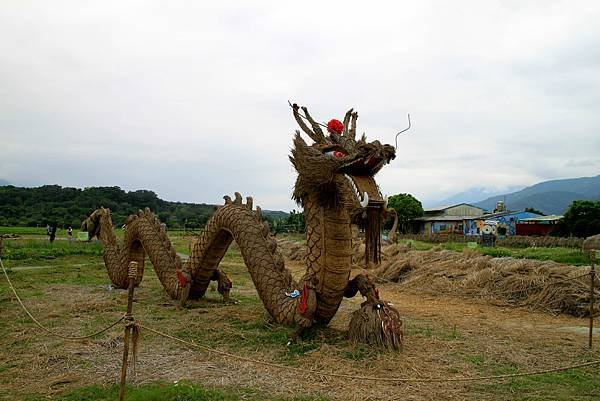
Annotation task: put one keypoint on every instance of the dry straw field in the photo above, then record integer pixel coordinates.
(465, 314)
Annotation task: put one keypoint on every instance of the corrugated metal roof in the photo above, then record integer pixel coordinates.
(447, 218)
(437, 208)
(507, 213)
(444, 207)
(498, 214)
(552, 217)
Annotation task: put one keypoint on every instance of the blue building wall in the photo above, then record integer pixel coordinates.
(471, 227)
(446, 227)
(509, 221)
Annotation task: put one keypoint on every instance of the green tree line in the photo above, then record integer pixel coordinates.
(48, 204)
(582, 219)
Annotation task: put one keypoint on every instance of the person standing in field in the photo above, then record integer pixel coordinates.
(70, 234)
(52, 231)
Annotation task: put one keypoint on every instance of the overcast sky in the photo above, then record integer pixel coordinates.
(189, 98)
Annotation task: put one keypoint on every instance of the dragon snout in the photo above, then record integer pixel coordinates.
(374, 155)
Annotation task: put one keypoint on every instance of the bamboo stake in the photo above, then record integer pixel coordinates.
(592, 279)
(132, 273)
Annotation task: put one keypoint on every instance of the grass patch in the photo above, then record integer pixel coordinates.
(417, 245)
(242, 331)
(26, 230)
(182, 391)
(32, 250)
(428, 330)
(579, 384)
(561, 255)
(360, 353)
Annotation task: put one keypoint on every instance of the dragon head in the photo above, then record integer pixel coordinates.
(92, 223)
(337, 171)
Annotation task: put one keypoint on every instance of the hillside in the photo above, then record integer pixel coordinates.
(69, 206)
(470, 195)
(551, 197)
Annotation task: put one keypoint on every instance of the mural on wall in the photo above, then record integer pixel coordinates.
(507, 224)
(473, 227)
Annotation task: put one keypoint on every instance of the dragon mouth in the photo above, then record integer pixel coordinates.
(369, 216)
(369, 160)
(366, 191)
(364, 165)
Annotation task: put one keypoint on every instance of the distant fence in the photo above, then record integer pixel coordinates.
(515, 241)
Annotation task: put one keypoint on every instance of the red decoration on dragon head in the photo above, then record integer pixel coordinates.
(335, 127)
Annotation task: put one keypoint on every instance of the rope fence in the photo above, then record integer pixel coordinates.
(132, 327)
(369, 378)
(47, 330)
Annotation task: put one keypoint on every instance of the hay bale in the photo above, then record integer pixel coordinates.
(591, 243)
(540, 285)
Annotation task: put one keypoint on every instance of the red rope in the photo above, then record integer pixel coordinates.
(182, 279)
(303, 304)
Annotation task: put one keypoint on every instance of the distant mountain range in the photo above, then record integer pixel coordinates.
(472, 195)
(3, 182)
(550, 197)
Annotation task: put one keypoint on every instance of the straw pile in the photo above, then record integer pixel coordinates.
(291, 250)
(541, 285)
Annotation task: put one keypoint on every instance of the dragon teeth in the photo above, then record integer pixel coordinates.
(365, 200)
(359, 196)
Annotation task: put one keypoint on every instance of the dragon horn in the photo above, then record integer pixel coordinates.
(316, 135)
(352, 132)
(347, 122)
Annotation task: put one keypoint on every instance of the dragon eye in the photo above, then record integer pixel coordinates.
(335, 153)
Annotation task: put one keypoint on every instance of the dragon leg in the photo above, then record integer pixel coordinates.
(362, 283)
(377, 322)
(224, 284)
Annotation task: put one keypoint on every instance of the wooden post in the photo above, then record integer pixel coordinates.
(592, 279)
(132, 273)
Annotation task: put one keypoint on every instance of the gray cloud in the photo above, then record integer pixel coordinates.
(190, 99)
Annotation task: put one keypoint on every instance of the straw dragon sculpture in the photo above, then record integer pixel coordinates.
(336, 187)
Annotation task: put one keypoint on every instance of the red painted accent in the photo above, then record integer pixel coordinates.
(335, 127)
(337, 153)
(535, 229)
(182, 279)
(303, 304)
(376, 293)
